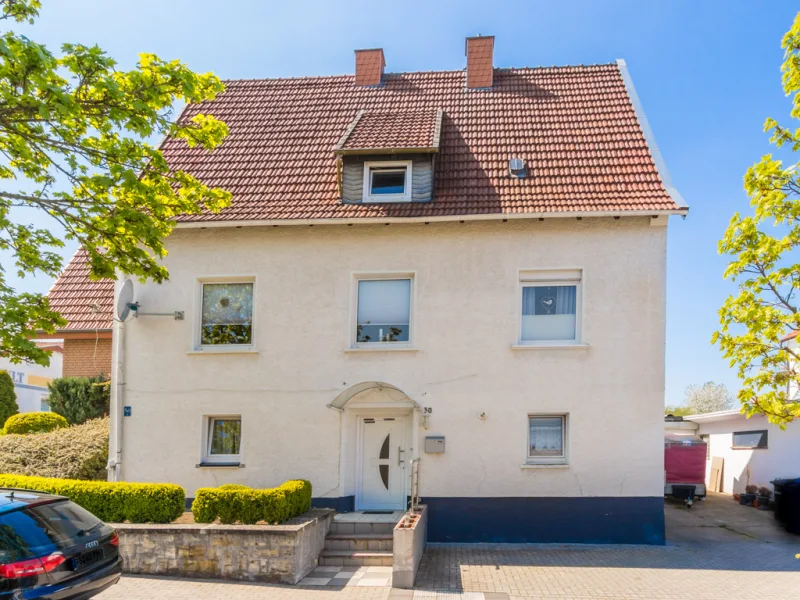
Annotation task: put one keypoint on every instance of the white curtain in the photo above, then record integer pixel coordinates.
(546, 436)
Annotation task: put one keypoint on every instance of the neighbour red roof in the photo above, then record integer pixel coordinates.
(85, 303)
(575, 127)
(378, 132)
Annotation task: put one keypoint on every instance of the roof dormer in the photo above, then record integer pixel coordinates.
(389, 157)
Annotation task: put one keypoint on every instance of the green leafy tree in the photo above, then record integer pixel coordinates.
(763, 247)
(8, 397)
(677, 411)
(79, 399)
(73, 131)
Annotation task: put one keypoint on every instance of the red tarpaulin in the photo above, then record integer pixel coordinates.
(685, 461)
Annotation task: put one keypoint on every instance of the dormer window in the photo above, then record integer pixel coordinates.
(387, 181)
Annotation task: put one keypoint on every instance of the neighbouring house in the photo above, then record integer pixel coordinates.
(87, 305)
(30, 380)
(464, 268)
(753, 451)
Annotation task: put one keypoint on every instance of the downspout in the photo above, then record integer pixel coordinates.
(114, 466)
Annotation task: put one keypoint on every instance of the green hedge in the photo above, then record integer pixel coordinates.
(35, 422)
(77, 452)
(111, 502)
(80, 399)
(233, 503)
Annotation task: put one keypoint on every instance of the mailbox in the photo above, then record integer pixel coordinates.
(434, 444)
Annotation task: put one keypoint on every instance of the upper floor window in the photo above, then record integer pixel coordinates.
(550, 307)
(383, 311)
(387, 181)
(227, 313)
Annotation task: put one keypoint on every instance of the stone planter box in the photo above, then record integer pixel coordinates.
(408, 546)
(275, 553)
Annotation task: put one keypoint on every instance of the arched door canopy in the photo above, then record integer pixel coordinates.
(346, 395)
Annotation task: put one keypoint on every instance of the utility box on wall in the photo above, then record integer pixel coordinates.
(434, 444)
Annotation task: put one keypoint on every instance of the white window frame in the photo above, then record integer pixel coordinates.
(198, 347)
(220, 459)
(386, 164)
(548, 460)
(552, 277)
(356, 345)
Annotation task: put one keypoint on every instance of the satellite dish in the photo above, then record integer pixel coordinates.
(125, 300)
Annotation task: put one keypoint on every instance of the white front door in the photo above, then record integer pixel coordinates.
(383, 462)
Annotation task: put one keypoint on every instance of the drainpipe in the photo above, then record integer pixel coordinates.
(114, 466)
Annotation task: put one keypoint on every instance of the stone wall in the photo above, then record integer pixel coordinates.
(275, 553)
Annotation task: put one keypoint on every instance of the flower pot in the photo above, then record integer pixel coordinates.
(747, 499)
(763, 502)
(736, 497)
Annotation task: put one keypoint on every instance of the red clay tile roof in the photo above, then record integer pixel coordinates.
(393, 130)
(575, 127)
(74, 295)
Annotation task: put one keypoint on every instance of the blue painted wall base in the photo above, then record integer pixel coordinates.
(605, 520)
(341, 504)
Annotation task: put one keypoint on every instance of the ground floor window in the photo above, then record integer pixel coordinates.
(223, 439)
(547, 439)
(748, 440)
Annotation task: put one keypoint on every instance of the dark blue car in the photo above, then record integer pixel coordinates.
(52, 549)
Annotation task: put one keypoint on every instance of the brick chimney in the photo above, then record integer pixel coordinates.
(480, 68)
(369, 67)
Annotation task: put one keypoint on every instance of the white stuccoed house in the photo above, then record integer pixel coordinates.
(462, 267)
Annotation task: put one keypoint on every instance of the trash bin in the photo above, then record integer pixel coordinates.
(782, 509)
(791, 500)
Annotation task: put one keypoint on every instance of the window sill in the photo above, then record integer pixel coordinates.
(233, 465)
(383, 349)
(749, 448)
(386, 201)
(549, 346)
(233, 350)
(545, 466)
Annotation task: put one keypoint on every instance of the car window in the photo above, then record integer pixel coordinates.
(22, 537)
(64, 521)
(42, 529)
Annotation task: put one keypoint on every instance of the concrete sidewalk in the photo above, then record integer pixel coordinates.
(718, 550)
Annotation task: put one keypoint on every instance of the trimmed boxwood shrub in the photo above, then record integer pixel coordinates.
(35, 422)
(111, 502)
(233, 503)
(77, 452)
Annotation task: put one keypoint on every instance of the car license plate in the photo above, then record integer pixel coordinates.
(86, 559)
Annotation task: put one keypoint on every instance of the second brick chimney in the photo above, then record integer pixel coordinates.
(369, 66)
(480, 67)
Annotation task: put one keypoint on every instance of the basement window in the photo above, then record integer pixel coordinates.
(387, 181)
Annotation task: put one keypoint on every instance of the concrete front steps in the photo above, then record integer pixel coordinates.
(359, 540)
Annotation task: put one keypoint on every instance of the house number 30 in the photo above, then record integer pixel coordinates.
(427, 410)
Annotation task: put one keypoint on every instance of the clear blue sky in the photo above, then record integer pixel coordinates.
(707, 73)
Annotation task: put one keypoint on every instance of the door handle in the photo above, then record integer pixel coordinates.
(400, 452)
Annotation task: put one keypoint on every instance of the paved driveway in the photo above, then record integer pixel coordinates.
(716, 551)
